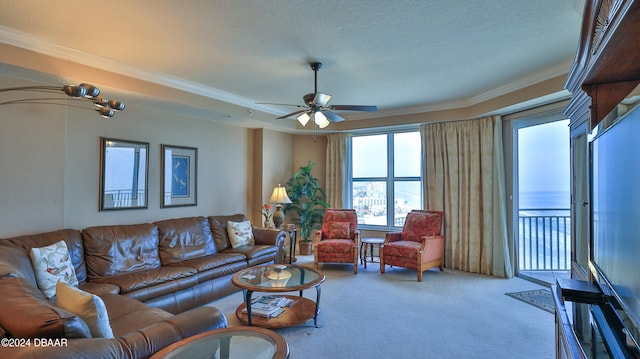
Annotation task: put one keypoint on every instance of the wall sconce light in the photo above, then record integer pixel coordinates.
(83, 93)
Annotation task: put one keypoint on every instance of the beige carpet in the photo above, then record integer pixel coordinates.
(451, 314)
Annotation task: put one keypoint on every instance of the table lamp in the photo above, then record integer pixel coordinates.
(279, 196)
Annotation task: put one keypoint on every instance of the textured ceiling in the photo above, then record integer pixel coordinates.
(404, 56)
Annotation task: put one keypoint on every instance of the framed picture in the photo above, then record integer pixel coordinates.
(124, 174)
(179, 182)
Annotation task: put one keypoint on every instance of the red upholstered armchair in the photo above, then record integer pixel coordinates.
(419, 246)
(337, 242)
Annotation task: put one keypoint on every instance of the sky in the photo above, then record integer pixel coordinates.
(543, 157)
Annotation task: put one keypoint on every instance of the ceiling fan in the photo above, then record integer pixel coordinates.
(317, 107)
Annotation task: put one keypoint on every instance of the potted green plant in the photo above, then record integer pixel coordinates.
(308, 202)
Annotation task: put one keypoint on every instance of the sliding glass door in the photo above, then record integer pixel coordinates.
(542, 198)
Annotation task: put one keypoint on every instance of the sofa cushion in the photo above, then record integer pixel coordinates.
(52, 264)
(115, 250)
(37, 318)
(219, 229)
(257, 254)
(184, 238)
(240, 234)
(127, 315)
(132, 281)
(213, 261)
(72, 238)
(87, 306)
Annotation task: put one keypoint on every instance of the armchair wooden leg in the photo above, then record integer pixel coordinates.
(419, 275)
(355, 260)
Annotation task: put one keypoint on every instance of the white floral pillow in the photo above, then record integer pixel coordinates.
(52, 264)
(240, 234)
(87, 306)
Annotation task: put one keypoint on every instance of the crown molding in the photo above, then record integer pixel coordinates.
(32, 43)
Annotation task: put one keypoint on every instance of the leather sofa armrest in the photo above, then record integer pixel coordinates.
(268, 236)
(271, 237)
(199, 320)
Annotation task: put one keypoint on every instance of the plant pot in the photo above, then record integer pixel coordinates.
(305, 248)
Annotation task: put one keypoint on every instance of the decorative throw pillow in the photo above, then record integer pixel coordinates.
(240, 234)
(339, 230)
(52, 264)
(87, 306)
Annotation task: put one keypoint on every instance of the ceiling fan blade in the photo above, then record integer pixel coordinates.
(354, 108)
(321, 99)
(291, 114)
(332, 116)
(279, 104)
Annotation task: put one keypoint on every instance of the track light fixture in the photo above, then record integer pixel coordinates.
(77, 94)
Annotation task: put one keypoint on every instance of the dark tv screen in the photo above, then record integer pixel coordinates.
(615, 211)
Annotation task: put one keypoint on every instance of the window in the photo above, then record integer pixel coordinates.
(385, 177)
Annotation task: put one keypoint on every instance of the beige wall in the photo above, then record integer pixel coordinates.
(32, 166)
(305, 149)
(49, 157)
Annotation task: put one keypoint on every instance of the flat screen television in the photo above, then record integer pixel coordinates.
(615, 216)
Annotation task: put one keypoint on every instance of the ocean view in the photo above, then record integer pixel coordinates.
(544, 230)
(554, 203)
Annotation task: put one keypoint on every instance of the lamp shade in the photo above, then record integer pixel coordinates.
(320, 119)
(303, 119)
(279, 195)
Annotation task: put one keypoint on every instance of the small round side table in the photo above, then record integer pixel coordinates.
(370, 241)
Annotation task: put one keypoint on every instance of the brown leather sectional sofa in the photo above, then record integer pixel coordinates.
(152, 277)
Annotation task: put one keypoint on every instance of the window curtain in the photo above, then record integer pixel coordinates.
(336, 163)
(464, 177)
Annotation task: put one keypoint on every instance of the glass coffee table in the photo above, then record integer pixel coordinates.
(229, 343)
(279, 278)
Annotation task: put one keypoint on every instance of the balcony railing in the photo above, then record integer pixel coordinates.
(544, 240)
(124, 198)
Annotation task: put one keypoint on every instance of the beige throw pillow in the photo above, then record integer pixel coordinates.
(87, 306)
(52, 264)
(240, 234)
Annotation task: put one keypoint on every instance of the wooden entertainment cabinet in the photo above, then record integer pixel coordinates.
(606, 71)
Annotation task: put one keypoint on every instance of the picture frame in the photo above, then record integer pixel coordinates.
(179, 176)
(124, 174)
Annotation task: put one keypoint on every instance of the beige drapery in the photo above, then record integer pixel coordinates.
(463, 175)
(336, 163)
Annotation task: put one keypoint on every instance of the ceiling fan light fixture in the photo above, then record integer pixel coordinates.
(303, 119)
(320, 119)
